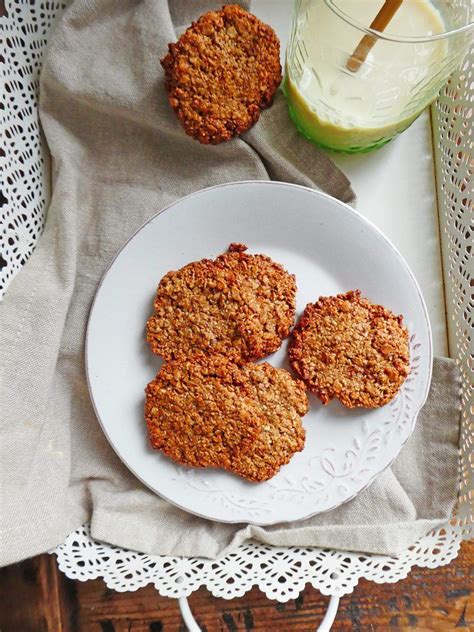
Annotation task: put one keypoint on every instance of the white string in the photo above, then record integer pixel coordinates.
(325, 625)
(331, 612)
(188, 615)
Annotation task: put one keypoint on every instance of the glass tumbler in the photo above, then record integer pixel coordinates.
(358, 107)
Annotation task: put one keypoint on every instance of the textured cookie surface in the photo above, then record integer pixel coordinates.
(221, 73)
(239, 304)
(283, 402)
(208, 411)
(346, 347)
(198, 412)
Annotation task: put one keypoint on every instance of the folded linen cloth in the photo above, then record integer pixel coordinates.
(119, 155)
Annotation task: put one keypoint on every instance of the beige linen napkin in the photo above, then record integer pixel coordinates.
(119, 155)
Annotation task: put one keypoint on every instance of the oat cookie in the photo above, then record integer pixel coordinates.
(284, 402)
(238, 304)
(208, 411)
(346, 347)
(199, 413)
(221, 73)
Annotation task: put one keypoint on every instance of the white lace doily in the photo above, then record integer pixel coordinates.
(24, 164)
(281, 573)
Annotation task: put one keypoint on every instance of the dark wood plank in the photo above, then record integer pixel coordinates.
(30, 596)
(438, 599)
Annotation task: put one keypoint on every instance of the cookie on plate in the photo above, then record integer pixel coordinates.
(283, 401)
(209, 411)
(198, 412)
(221, 73)
(239, 304)
(344, 346)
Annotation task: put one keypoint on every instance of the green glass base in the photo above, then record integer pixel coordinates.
(349, 150)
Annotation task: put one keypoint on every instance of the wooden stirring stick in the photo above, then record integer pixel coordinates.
(379, 23)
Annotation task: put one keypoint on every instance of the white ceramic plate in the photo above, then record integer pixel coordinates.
(331, 249)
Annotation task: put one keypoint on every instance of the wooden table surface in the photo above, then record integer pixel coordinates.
(37, 597)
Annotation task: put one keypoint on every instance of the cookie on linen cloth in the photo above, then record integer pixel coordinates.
(221, 73)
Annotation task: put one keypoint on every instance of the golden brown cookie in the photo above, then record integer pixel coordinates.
(208, 411)
(283, 401)
(346, 347)
(221, 73)
(198, 412)
(239, 304)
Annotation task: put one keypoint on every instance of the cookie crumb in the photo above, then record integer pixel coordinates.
(235, 247)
